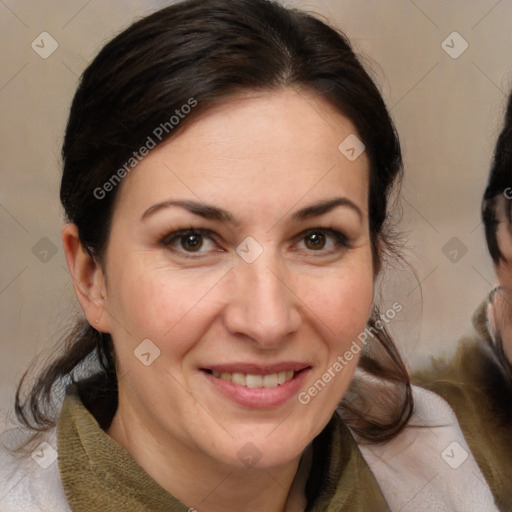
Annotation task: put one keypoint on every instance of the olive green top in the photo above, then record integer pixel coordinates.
(99, 475)
(478, 389)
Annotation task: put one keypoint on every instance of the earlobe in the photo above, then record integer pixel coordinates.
(88, 279)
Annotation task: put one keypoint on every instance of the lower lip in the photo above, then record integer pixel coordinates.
(259, 397)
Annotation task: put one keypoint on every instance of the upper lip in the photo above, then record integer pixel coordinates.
(258, 369)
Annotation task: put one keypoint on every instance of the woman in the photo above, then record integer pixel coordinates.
(477, 382)
(227, 169)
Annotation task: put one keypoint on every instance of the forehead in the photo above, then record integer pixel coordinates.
(256, 148)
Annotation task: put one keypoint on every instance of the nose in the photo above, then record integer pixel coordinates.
(262, 305)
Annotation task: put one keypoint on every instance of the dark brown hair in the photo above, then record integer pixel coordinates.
(499, 182)
(209, 51)
(497, 201)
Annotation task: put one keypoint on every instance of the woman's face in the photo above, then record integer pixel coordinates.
(241, 250)
(501, 317)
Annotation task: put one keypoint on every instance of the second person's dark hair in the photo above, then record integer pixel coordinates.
(499, 185)
(497, 201)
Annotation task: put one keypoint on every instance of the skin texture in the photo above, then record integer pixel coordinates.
(262, 157)
(500, 313)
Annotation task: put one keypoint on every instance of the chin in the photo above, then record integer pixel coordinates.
(270, 446)
(253, 454)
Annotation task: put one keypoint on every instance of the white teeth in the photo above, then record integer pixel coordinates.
(254, 381)
(272, 380)
(238, 378)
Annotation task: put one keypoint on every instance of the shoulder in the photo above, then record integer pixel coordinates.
(475, 384)
(475, 362)
(429, 466)
(31, 481)
(474, 373)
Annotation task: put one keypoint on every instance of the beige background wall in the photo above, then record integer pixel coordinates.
(447, 111)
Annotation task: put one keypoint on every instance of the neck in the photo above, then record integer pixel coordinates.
(201, 482)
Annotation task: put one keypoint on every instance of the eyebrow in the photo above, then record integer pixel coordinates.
(218, 214)
(201, 209)
(325, 207)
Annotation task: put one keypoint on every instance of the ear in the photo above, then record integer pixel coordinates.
(88, 279)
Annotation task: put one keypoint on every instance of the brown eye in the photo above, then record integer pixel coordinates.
(191, 242)
(315, 241)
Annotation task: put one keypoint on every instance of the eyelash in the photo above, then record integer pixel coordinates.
(340, 240)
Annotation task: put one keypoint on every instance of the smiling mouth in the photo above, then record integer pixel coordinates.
(258, 386)
(248, 380)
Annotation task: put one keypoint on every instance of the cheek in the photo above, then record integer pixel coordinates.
(157, 303)
(344, 304)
